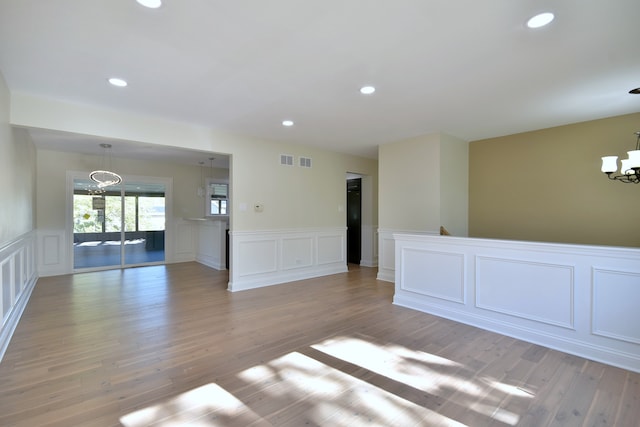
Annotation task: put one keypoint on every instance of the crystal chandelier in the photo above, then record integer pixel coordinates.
(629, 168)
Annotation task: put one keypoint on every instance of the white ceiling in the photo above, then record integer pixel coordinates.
(468, 68)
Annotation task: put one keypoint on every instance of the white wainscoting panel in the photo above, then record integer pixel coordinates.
(387, 252)
(331, 248)
(297, 252)
(185, 232)
(264, 258)
(369, 250)
(54, 255)
(386, 256)
(616, 310)
(432, 273)
(259, 256)
(530, 290)
(211, 236)
(578, 299)
(17, 279)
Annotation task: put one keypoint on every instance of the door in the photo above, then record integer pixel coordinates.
(354, 220)
(144, 219)
(123, 226)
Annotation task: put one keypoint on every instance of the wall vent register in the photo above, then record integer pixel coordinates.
(305, 162)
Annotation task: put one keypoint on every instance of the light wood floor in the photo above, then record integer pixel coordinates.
(169, 346)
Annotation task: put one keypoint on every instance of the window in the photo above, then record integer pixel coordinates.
(150, 213)
(217, 197)
(141, 213)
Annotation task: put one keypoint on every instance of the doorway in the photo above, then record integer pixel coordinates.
(122, 226)
(354, 220)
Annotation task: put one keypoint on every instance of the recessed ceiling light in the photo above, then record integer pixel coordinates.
(540, 20)
(153, 4)
(117, 82)
(635, 91)
(367, 90)
(287, 123)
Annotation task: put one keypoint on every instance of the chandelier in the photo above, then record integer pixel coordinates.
(629, 168)
(104, 177)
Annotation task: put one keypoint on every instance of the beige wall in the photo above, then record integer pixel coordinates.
(409, 174)
(423, 184)
(17, 175)
(454, 185)
(51, 178)
(546, 185)
(293, 197)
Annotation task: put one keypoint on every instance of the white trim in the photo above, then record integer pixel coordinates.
(369, 246)
(19, 257)
(386, 251)
(573, 298)
(269, 257)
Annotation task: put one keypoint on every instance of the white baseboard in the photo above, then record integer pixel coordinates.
(276, 279)
(216, 264)
(580, 348)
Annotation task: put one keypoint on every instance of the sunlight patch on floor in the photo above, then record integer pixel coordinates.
(300, 389)
(508, 388)
(423, 371)
(209, 405)
(417, 369)
(332, 397)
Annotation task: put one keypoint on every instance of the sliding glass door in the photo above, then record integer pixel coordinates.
(144, 220)
(122, 226)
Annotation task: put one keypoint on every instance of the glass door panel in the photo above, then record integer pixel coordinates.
(97, 221)
(144, 219)
(125, 225)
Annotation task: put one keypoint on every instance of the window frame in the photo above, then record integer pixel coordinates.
(208, 198)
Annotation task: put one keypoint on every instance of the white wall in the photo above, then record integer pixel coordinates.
(17, 174)
(423, 185)
(53, 165)
(17, 205)
(293, 198)
(52, 222)
(409, 173)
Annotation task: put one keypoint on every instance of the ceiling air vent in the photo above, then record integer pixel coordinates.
(305, 162)
(286, 159)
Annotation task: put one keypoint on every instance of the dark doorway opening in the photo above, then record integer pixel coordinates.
(354, 220)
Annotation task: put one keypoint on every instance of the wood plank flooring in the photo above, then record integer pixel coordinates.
(169, 345)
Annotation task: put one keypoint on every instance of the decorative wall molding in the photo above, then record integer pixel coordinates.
(297, 252)
(264, 258)
(387, 255)
(17, 279)
(615, 312)
(573, 298)
(369, 253)
(531, 290)
(446, 270)
(186, 233)
(211, 238)
(54, 253)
